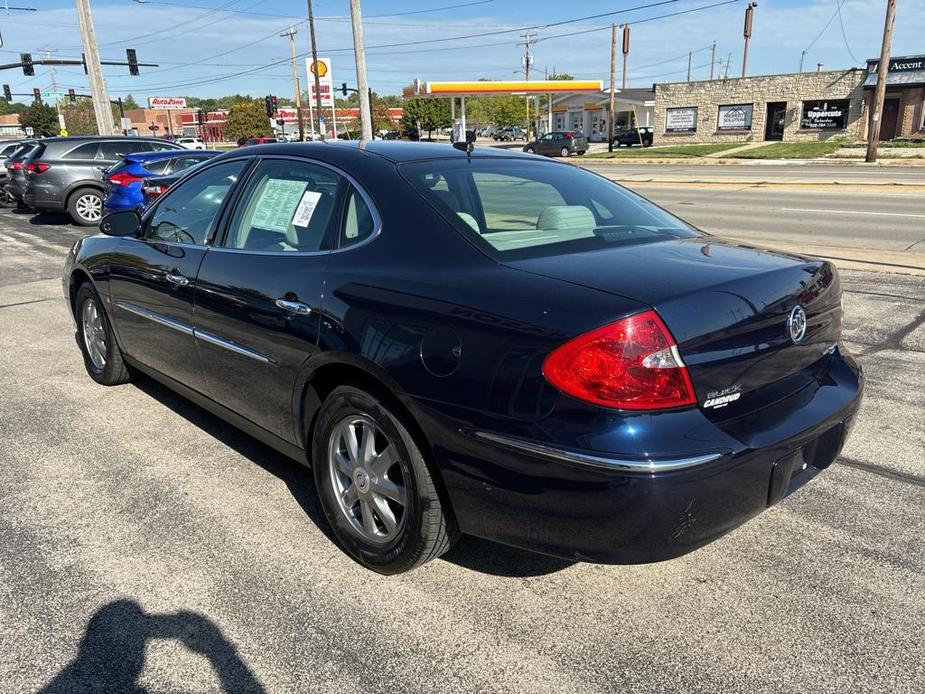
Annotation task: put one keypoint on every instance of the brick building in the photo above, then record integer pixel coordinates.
(798, 106)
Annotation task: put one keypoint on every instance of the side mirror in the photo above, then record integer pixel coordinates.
(126, 223)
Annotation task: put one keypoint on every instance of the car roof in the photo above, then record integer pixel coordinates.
(165, 154)
(354, 152)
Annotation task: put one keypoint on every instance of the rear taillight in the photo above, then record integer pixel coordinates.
(123, 179)
(37, 167)
(16, 166)
(632, 364)
(152, 192)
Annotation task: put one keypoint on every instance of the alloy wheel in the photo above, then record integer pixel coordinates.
(564, 152)
(94, 334)
(367, 479)
(89, 207)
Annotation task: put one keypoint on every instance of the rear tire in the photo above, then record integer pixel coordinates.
(374, 485)
(564, 152)
(85, 206)
(530, 150)
(102, 356)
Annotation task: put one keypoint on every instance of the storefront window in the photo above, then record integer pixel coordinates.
(598, 124)
(826, 115)
(681, 120)
(578, 118)
(735, 117)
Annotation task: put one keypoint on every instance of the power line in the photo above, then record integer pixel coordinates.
(844, 35)
(831, 19)
(274, 63)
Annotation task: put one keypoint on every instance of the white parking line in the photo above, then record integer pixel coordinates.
(885, 214)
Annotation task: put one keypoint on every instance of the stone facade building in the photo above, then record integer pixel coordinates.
(791, 107)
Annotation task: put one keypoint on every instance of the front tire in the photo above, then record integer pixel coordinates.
(530, 150)
(564, 151)
(375, 486)
(85, 206)
(102, 356)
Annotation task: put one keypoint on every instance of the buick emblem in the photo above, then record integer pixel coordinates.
(796, 324)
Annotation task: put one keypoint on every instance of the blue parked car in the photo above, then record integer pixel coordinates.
(125, 178)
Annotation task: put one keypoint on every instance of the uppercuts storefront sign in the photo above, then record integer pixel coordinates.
(827, 115)
(166, 102)
(735, 117)
(681, 120)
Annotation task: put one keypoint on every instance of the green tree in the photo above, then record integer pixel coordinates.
(16, 107)
(129, 103)
(561, 76)
(247, 119)
(80, 118)
(429, 113)
(43, 119)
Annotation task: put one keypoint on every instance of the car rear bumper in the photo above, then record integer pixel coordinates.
(593, 506)
(43, 196)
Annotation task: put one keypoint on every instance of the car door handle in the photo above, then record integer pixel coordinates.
(296, 307)
(176, 279)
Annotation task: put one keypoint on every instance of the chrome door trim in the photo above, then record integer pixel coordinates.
(184, 328)
(598, 461)
(188, 329)
(231, 346)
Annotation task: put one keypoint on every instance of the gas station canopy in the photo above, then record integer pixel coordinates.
(421, 89)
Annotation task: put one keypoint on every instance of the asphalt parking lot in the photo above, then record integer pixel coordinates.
(146, 544)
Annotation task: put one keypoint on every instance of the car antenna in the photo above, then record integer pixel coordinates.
(466, 147)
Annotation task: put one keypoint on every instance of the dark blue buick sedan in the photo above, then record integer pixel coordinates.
(476, 342)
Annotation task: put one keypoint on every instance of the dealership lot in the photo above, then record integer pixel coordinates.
(145, 542)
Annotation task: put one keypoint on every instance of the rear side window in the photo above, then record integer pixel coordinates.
(186, 214)
(288, 207)
(514, 209)
(84, 151)
(157, 167)
(358, 219)
(181, 163)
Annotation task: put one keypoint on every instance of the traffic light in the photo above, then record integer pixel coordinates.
(71, 96)
(200, 117)
(132, 61)
(37, 95)
(26, 60)
(268, 102)
(7, 94)
(273, 103)
(343, 88)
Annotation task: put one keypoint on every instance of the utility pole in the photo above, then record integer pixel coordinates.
(747, 33)
(359, 53)
(728, 63)
(311, 32)
(101, 105)
(54, 86)
(613, 86)
(626, 50)
(529, 39)
(295, 76)
(689, 56)
(712, 59)
(883, 70)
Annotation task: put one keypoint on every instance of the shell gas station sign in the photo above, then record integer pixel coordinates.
(321, 67)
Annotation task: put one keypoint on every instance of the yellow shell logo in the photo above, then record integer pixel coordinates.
(319, 68)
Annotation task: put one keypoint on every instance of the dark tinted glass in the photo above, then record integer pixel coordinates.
(512, 208)
(186, 213)
(87, 150)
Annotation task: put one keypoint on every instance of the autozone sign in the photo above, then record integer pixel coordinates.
(166, 102)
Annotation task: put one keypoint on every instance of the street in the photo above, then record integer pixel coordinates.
(147, 543)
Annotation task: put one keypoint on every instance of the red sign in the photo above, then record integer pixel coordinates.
(167, 102)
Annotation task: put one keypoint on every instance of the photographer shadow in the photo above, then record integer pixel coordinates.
(111, 655)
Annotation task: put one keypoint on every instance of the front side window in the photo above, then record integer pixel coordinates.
(288, 206)
(513, 209)
(186, 213)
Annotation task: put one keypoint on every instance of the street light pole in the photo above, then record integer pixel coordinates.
(613, 86)
(747, 33)
(883, 69)
(101, 107)
(359, 53)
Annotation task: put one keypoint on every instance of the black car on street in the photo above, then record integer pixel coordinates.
(472, 340)
(558, 144)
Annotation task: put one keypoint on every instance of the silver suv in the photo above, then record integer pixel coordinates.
(66, 173)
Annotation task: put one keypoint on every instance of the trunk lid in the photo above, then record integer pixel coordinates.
(729, 308)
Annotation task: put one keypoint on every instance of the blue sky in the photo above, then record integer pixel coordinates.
(200, 47)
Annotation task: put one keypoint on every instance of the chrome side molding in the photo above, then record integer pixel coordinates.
(603, 462)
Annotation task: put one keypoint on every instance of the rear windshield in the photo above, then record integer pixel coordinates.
(526, 208)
